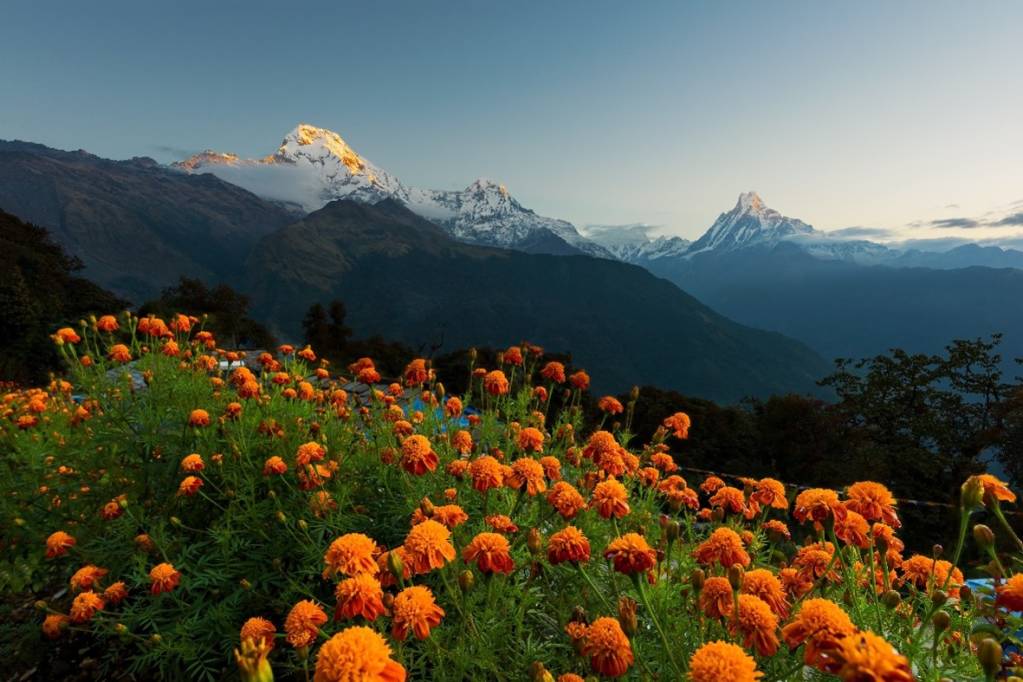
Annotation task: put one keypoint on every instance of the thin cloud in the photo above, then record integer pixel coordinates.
(952, 206)
(176, 152)
(859, 231)
(965, 223)
(1014, 220)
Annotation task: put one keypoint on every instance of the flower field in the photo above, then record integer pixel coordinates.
(175, 511)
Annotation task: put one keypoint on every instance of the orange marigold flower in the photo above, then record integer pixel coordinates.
(730, 499)
(87, 577)
(760, 582)
(610, 405)
(310, 452)
(608, 648)
(415, 611)
(461, 441)
(665, 463)
(361, 595)
(679, 423)
(67, 335)
(1010, 593)
(501, 523)
(610, 499)
(453, 407)
(794, 582)
(866, 656)
(568, 544)
(711, 485)
(995, 489)
(564, 497)
(551, 467)
(357, 654)
(119, 353)
(885, 535)
(853, 529)
(58, 543)
(303, 623)
(451, 515)
(259, 630)
(163, 578)
(115, 593)
(757, 623)
(719, 661)
(490, 552)
(580, 380)
(716, 598)
(199, 418)
(417, 455)
(274, 466)
(724, 546)
(777, 529)
(874, 502)
(770, 493)
(107, 324)
(85, 606)
(192, 463)
(816, 505)
(527, 472)
(631, 554)
(486, 473)
(814, 561)
(495, 382)
(820, 624)
(55, 624)
(570, 677)
(416, 373)
(428, 546)
(531, 439)
(929, 574)
(553, 371)
(189, 486)
(350, 555)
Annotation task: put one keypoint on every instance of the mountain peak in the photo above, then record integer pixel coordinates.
(485, 185)
(313, 142)
(750, 202)
(750, 223)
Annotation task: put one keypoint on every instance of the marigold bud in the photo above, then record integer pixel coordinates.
(891, 599)
(303, 524)
(627, 615)
(466, 579)
(121, 629)
(426, 506)
(538, 673)
(939, 597)
(937, 551)
(983, 536)
(718, 515)
(41, 605)
(19, 522)
(281, 517)
(246, 585)
(697, 578)
(155, 639)
(634, 393)
(941, 621)
(989, 653)
(735, 576)
(534, 541)
(396, 565)
(175, 521)
(971, 495)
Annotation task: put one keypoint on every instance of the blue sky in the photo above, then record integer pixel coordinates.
(871, 114)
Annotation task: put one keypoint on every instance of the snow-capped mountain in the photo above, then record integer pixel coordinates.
(314, 166)
(750, 222)
(633, 243)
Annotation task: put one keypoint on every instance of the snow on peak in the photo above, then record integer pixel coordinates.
(313, 166)
(750, 202)
(750, 222)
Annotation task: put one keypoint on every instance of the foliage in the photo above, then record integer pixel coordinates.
(160, 457)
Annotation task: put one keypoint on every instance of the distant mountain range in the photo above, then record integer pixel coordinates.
(313, 166)
(138, 226)
(420, 266)
(848, 298)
